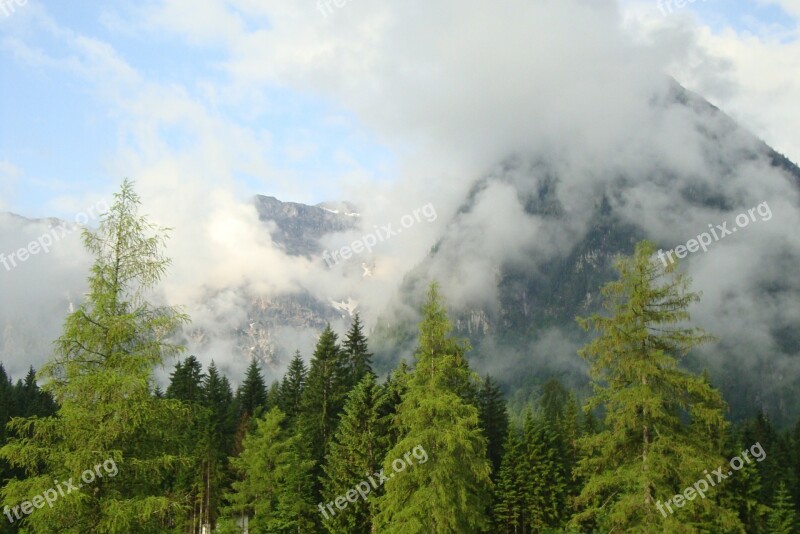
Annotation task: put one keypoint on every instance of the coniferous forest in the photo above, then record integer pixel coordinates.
(331, 447)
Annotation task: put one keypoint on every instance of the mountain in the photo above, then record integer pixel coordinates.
(526, 252)
(517, 305)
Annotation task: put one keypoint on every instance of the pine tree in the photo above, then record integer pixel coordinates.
(357, 450)
(645, 453)
(783, 518)
(450, 491)
(290, 394)
(356, 353)
(493, 418)
(101, 377)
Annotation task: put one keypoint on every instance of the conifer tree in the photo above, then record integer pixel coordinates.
(323, 396)
(544, 485)
(274, 486)
(450, 492)
(493, 418)
(356, 353)
(251, 396)
(101, 376)
(646, 453)
(510, 504)
(742, 492)
(290, 394)
(357, 450)
(185, 381)
(783, 517)
(215, 443)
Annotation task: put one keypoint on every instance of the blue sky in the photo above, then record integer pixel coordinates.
(67, 127)
(58, 131)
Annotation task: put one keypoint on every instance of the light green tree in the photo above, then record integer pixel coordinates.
(101, 376)
(646, 452)
(450, 492)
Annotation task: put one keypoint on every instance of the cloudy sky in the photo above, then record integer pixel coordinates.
(392, 105)
(308, 101)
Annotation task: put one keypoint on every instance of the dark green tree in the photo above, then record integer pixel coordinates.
(510, 502)
(185, 381)
(544, 485)
(493, 418)
(290, 394)
(323, 396)
(274, 486)
(358, 448)
(356, 353)
(251, 397)
(783, 517)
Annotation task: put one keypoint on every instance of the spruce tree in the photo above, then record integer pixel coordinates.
(215, 443)
(290, 394)
(493, 418)
(356, 353)
(101, 377)
(510, 502)
(544, 485)
(274, 486)
(251, 396)
(185, 381)
(357, 450)
(450, 492)
(646, 453)
(323, 396)
(782, 518)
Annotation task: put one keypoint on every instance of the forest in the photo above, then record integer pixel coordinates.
(331, 447)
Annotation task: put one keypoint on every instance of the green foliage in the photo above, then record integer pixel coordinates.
(290, 393)
(251, 397)
(357, 450)
(493, 418)
(510, 505)
(274, 488)
(783, 517)
(101, 376)
(356, 353)
(450, 492)
(323, 396)
(646, 452)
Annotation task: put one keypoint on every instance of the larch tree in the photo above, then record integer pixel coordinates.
(450, 492)
(646, 452)
(101, 376)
